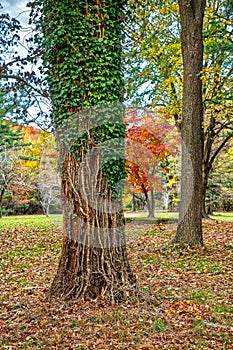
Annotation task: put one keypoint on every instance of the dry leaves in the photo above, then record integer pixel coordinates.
(180, 288)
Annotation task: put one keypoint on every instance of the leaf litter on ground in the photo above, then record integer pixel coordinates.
(187, 293)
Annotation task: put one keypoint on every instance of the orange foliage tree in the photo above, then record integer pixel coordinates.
(150, 141)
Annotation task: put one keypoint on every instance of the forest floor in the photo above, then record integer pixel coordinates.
(188, 293)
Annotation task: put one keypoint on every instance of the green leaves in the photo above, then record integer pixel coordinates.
(82, 62)
(83, 52)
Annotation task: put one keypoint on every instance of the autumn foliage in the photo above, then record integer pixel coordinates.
(150, 140)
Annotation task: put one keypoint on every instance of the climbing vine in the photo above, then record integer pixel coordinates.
(81, 53)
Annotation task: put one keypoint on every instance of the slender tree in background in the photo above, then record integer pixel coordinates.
(190, 213)
(82, 59)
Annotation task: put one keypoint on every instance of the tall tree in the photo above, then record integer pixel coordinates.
(158, 47)
(190, 213)
(217, 86)
(82, 58)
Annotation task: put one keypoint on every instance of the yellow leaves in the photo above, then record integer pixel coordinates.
(37, 142)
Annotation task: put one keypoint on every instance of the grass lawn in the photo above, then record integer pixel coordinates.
(223, 216)
(187, 293)
(41, 221)
(144, 214)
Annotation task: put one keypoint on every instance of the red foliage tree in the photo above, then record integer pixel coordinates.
(150, 139)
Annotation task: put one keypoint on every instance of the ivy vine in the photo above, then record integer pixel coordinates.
(82, 61)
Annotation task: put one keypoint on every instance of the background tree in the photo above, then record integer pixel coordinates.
(82, 59)
(220, 186)
(190, 212)
(155, 69)
(7, 173)
(26, 193)
(149, 143)
(217, 86)
(49, 182)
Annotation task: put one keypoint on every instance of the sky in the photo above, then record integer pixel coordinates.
(16, 9)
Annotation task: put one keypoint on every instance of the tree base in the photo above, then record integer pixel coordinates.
(88, 272)
(188, 234)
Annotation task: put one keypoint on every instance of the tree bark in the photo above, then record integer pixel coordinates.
(133, 203)
(94, 260)
(189, 229)
(86, 85)
(151, 204)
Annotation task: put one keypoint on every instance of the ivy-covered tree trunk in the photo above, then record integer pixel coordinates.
(82, 42)
(189, 229)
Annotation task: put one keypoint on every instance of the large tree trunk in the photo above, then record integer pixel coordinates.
(189, 229)
(86, 85)
(94, 260)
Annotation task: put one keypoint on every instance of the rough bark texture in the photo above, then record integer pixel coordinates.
(94, 260)
(189, 229)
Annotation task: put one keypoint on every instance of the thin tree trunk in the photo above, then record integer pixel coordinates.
(133, 203)
(206, 172)
(206, 166)
(208, 160)
(189, 229)
(151, 204)
(1, 198)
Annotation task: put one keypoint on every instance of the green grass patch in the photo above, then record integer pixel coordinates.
(26, 221)
(223, 216)
(158, 214)
(158, 325)
(199, 296)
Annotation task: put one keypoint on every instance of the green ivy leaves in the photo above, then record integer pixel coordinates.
(82, 60)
